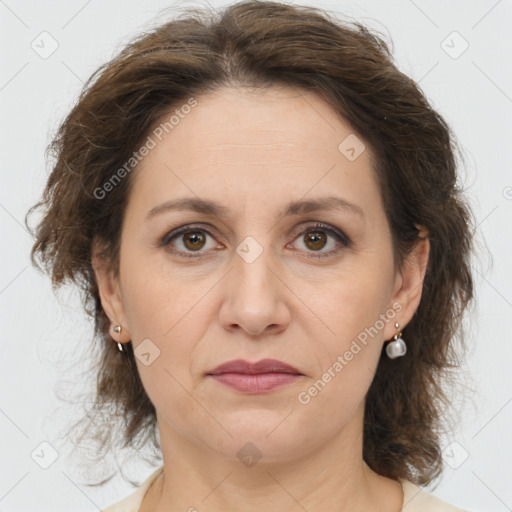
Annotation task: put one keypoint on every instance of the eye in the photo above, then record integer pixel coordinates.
(315, 238)
(191, 240)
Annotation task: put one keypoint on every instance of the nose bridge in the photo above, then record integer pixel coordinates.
(254, 299)
(252, 264)
(254, 252)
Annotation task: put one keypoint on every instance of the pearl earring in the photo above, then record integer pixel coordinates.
(397, 347)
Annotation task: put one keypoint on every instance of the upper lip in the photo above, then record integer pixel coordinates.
(263, 366)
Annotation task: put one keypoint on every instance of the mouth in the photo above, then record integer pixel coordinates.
(246, 367)
(261, 377)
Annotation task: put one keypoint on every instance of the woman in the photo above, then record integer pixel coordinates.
(262, 213)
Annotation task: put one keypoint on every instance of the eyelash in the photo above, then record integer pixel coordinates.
(338, 235)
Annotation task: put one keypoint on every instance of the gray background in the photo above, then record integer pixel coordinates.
(473, 91)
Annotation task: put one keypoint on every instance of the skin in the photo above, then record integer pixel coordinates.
(253, 152)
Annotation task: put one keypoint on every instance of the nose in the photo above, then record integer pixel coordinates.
(255, 298)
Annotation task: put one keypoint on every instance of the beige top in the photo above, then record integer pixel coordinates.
(415, 499)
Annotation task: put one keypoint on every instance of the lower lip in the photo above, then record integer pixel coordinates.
(256, 383)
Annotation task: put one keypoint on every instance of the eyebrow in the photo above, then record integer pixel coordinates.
(207, 207)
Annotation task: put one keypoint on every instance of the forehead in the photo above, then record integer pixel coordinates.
(260, 117)
(254, 145)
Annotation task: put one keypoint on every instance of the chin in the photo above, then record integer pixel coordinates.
(263, 435)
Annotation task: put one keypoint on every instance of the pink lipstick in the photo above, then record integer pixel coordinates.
(261, 377)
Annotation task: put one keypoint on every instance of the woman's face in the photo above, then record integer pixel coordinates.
(254, 279)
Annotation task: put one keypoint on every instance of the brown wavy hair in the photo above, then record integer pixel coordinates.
(257, 45)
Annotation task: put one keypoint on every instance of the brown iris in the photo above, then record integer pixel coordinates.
(194, 240)
(315, 238)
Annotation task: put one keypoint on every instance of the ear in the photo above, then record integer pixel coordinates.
(408, 285)
(110, 294)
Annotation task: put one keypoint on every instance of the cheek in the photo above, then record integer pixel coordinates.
(353, 300)
(169, 320)
(355, 309)
(173, 313)
(155, 299)
(346, 360)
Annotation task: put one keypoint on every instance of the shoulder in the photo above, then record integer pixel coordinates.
(418, 500)
(133, 501)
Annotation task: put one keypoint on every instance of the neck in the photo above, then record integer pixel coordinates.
(334, 477)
